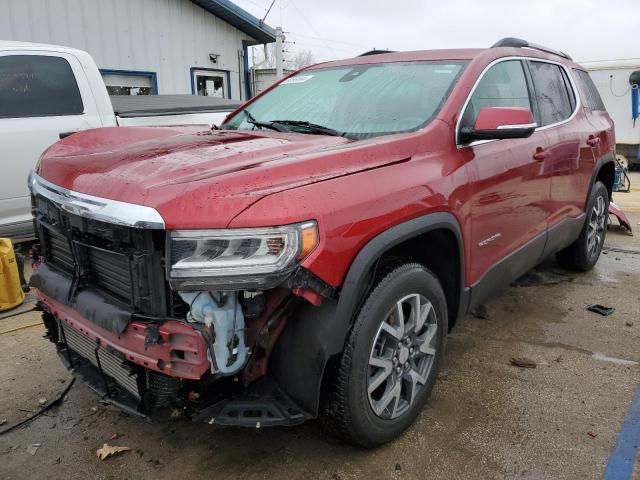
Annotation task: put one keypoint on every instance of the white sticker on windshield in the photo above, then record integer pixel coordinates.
(298, 79)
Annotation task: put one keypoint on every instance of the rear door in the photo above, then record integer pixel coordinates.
(570, 156)
(509, 185)
(596, 114)
(42, 95)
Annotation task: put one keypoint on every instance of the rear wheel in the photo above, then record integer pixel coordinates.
(391, 358)
(583, 254)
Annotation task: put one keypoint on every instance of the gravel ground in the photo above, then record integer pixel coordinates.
(485, 419)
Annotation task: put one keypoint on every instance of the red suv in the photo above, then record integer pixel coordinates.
(308, 259)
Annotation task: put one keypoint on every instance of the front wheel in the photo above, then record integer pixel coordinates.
(391, 358)
(583, 254)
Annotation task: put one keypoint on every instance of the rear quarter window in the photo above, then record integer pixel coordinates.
(555, 98)
(590, 94)
(37, 86)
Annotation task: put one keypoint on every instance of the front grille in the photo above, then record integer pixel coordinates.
(124, 264)
(110, 271)
(60, 251)
(111, 364)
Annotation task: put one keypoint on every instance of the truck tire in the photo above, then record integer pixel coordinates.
(391, 359)
(583, 254)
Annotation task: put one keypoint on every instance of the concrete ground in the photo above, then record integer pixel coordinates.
(485, 419)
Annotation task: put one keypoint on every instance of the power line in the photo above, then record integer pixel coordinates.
(327, 40)
(332, 49)
(303, 17)
(253, 2)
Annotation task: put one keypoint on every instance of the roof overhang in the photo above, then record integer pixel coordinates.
(239, 18)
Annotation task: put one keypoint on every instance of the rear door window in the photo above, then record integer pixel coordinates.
(554, 95)
(590, 93)
(503, 85)
(37, 86)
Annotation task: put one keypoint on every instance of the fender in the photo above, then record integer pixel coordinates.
(314, 334)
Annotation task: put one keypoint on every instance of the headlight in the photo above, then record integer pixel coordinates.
(232, 259)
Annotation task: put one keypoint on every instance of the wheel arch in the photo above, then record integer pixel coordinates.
(604, 171)
(406, 241)
(316, 335)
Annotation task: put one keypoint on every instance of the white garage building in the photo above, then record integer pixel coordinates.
(148, 46)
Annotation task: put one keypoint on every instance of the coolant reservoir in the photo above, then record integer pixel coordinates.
(11, 294)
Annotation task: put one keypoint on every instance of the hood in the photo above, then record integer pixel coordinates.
(200, 178)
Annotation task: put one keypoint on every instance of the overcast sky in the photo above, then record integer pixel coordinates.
(585, 29)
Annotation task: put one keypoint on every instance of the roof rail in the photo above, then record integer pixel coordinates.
(519, 43)
(375, 52)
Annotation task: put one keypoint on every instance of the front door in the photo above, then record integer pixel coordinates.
(508, 181)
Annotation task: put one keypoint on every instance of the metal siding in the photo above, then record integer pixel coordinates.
(168, 37)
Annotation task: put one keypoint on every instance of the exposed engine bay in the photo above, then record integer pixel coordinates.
(220, 318)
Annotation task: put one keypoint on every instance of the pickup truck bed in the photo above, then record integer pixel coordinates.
(127, 106)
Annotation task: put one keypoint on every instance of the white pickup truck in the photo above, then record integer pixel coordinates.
(48, 92)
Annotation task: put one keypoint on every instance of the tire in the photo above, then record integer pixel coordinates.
(583, 254)
(348, 409)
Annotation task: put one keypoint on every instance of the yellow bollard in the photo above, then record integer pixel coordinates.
(11, 294)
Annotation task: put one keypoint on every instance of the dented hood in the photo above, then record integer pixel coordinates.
(201, 178)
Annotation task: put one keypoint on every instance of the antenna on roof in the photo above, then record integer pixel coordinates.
(520, 43)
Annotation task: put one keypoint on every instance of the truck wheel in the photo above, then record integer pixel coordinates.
(391, 359)
(583, 254)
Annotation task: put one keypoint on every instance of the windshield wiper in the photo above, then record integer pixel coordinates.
(252, 120)
(311, 127)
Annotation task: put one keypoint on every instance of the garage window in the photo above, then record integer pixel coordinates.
(37, 86)
(121, 82)
(210, 83)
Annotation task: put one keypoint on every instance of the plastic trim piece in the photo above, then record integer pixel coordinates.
(97, 208)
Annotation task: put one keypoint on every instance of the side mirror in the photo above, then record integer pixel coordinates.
(496, 123)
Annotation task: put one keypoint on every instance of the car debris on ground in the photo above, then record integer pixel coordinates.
(539, 277)
(601, 309)
(33, 448)
(523, 362)
(481, 312)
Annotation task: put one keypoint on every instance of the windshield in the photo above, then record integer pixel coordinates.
(354, 101)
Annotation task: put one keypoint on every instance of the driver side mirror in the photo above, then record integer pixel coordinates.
(497, 123)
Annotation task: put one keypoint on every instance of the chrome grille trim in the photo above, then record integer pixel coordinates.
(97, 208)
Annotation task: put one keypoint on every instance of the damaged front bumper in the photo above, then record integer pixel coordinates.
(156, 381)
(133, 328)
(177, 349)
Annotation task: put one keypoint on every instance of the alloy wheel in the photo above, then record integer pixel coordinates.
(402, 356)
(597, 226)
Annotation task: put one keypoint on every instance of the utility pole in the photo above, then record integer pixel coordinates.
(279, 52)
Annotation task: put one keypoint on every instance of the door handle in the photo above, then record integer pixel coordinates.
(593, 140)
(540, 154)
